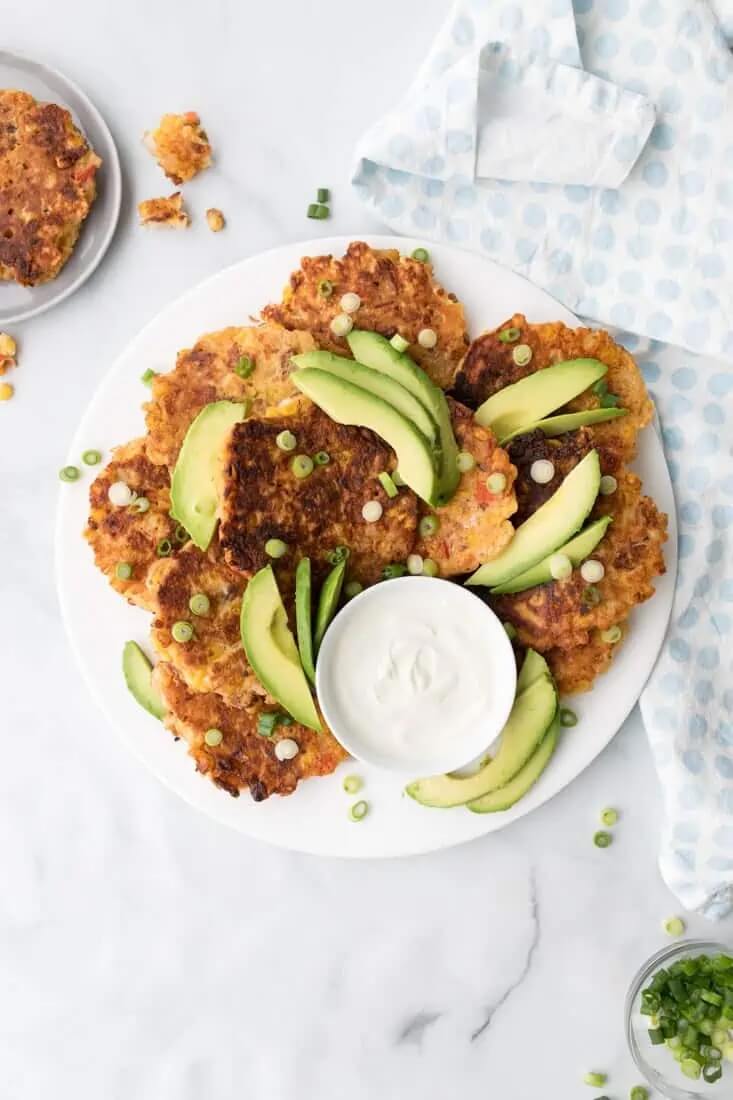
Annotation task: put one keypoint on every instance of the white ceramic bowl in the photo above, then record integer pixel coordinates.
(345, 675)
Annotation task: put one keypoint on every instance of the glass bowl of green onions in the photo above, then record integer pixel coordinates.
(679, 1020)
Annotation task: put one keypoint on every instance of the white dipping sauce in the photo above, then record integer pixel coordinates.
(416, 674)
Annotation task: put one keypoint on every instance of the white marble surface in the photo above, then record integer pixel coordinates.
(145, 952)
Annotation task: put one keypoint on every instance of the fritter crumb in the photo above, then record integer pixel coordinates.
(167, 212)
(215, 219)
(8, 349)
(180, 146)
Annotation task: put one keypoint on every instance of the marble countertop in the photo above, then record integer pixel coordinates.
(146, 952)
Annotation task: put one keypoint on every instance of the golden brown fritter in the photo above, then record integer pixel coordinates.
(263, 499)
(214, 659)
(126, 534)
(398, 295)
(208, 372)
(180, 146)
(244, 758)
(489, 367)
(563, 614)
(166, 212)
(474, 525)
(574, 670)
(47, 187)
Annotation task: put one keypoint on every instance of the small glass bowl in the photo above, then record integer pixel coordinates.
(657, 1063)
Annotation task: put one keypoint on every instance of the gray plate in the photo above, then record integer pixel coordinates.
(47, 85)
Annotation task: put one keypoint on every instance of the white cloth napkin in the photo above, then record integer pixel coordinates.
(590, 148)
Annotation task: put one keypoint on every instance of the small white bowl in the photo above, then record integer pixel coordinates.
(368, 649)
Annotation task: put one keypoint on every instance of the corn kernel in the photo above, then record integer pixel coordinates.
(214, 220)
(6, 391)
(7, 346)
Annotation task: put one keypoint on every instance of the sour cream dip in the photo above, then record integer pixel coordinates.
(416, 675)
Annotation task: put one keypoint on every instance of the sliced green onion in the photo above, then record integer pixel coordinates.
(522, 354)
(341, 325)
(429, 526)
(287, 749)
(568, 717)
(674, 926)
(427, 338)
(323, 194)
(712, 1073)
(123, 570)
(608, 485)
(353, 588)
(199, 604)
(182, 631)
(213, 737)
(602, 839)
(689, 1066)
(592, 571)
(317, 210)
(321, 458)
(338, 554)
(140, 504)
(511, 631)
(656, 1035)
(429, 568)
(325, 288)
(286, 441)
(147, 376)
(91, 458)
(372, 511)
(509, 335)
(399, 343)
(180, 534)
(609, 817)
(595, 1079)
(266, 723)
(70, 473)
(396, 569)
(164, 548)
(421, 255)
(496, 483)
(590, 596)
(610, 401)
(414, 565)
(244, 367)
(388, 485)
(561, 566)
(612, 635)
(639, 1093)
(302, 466)
(353, 784)
(276, 548)
(359, 810)
(600, 388)
(542, 471)
(350, 302)
(465, 461)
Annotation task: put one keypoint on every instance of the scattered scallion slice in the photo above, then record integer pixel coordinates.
(611, 635)
(509, 335)
(399, 343)
(147, 376)
(267, 722)
(522, 354)
(602, 839)
(372, 511)
(286, 441)
(276, 548)
(180, 534)
(568, 717)
(341, 325)
(639, 1093)
(182, 631)
(91, 458)
(321, 458)
(609, 817)
(325, 288)
(415, 565)
(595, 1079)
(353, 783)
(199, 604)
(427, 338)
(318, 210)
(302, 466)
(213, 737)
(388, 485)
(323, 194)
(429, 526)
(70, 473)
(244, 366)
(359, 810)
(395, 569)
(674, 926)
(421, 255)
(610, 401)
(123, 570)
(164, 548)
(429, 568)
(465, 461)
(496, 483)
(141, 505)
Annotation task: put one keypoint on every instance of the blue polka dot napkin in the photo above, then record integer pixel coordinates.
(589, 146)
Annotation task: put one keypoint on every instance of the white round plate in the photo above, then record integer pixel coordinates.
(314, 818)
(17, 303)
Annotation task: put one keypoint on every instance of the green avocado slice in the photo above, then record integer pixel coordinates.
(549, 527)
(328, 600)
(526, 777)
(303, 617)
(380, 384)
(534, 667)
(271, 648)
(138, 673)
(567, 422)
(538, 394)
(195, 481)
(530, 717)
(349, 404)
(375, 351)
(577, 550)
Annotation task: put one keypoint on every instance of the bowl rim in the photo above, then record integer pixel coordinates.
(679, 949)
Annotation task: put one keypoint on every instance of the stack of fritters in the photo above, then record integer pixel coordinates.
(565, 619)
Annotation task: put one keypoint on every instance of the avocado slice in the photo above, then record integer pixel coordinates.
(271, 649)
(548, 528)
(526, 777)
(349, 404)
(534, 667)
(567, 422)
(138, 673)
(303, 617)
(540, 393)
(577, 550)
(375, 351)
(328, 600)
(194, 485)
(531, 715)
(380, 384)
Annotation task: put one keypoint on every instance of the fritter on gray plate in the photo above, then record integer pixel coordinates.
(47, 187)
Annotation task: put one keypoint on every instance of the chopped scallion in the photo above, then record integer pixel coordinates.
(388, 485)
(91, 458)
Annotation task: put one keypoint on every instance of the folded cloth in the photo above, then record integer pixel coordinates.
(591, 149)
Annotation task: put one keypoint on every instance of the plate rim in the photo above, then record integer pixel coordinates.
(320, 246)
(114, 183)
